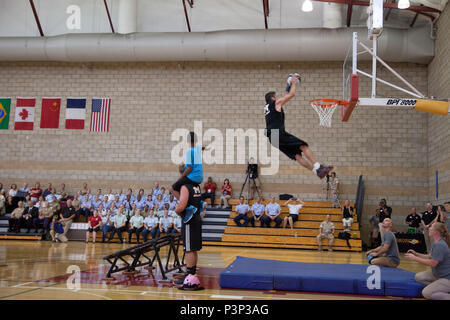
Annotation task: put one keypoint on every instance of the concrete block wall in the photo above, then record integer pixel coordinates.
(150, 100)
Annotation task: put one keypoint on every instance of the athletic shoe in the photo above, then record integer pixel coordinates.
(190, 211)
(323, 171)
(191, 283)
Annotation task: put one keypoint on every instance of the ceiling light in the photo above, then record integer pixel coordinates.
(403, 4)
(307, 6)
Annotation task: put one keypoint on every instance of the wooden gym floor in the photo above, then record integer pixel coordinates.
(39, 270)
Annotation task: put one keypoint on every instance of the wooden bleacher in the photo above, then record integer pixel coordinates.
(303, 236)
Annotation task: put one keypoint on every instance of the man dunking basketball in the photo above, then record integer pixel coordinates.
(290, 145)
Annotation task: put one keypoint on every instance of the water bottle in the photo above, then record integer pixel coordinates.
(295, 235)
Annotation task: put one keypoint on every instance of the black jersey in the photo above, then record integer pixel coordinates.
(274, 119)
(195, 197)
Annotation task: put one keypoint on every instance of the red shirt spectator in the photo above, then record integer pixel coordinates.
(210, 187)
(35, 192)
(226, 189)
(95, 221)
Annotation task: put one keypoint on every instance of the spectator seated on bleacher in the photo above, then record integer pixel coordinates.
(165, 222)
(273, 211)
(55, 205)
(159, 206)
(257, 211)
(13, 190)
(47, 191)
(84, 190)
(57, 230)
(96, 202)
(136, 225)
(29, 214)
(15, 219)
(241, 210)
(226, 193)
(107, 224)
(94, 224)
(165, 197)
(172, 202)
(176, 225)
(120, 222)
(43, 217)
(64, 194)
(145, 212)
(2, 203)
(10, 205)
(151, 226)
(36, 192)
(326, 230)
(86, 206)
(294, 209)
(210, 191)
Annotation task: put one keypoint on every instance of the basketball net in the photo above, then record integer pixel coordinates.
(325, 109)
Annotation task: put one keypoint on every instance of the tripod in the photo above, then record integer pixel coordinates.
(248, 180)
(328, 187)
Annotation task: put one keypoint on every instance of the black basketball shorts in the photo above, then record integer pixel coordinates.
(191, 234)
(288, 144)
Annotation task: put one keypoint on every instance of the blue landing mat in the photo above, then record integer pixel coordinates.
(262, 274)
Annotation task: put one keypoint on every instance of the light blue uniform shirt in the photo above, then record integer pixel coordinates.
(161, 205)
(151, 221)
(173, 204)
(120, 219)
(242, 208)
(194, 159)
(150, 204)
(177, 221)
(258, 208)
(156, 191)
(165, 222)
(136, 221)
(122, 197)
(86, 204)
(273, 209)
(96, 204)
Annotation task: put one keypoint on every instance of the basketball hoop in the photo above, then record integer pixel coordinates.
(325, 109)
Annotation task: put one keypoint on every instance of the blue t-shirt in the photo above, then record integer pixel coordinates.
(194, 159)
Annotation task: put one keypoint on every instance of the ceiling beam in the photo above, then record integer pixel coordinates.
(191, 3)
(36, 17)
(349, 13)
(385, 5)
(266, 12)
(109, 17)
(389, 11)
(414, 20)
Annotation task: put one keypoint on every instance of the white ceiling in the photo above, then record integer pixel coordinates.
(16, 17)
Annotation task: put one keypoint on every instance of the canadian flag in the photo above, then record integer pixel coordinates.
(24, 114)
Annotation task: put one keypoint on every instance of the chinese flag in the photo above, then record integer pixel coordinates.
(50, 113)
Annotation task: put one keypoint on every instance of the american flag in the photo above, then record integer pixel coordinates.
(100, 115)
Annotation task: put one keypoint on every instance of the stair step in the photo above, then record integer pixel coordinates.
(215, 227)
(216, 220)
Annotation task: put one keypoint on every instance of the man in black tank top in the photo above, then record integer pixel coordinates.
(191, 232)
(286, 142)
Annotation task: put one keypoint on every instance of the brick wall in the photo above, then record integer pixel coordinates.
(150, 100)
(438, 126)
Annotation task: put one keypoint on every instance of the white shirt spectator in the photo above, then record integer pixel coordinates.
(12, 193)
(151, 221)
(294, 208)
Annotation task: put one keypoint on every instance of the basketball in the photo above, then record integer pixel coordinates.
(288, 80)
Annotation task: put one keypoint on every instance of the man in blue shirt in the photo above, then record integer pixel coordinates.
(257, 210)
(193, 168)
(192, 174)
(241, 209)
(273, 211)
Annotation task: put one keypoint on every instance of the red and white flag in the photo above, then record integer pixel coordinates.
(100, 114)
(24, 119)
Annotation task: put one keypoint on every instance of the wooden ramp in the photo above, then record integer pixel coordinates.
(302, 236)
